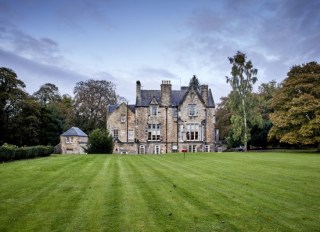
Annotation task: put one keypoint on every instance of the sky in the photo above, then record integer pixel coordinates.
(122, 41)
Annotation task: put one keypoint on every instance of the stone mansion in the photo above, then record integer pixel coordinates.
(164, 121)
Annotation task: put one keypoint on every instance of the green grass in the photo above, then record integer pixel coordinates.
(203, 192)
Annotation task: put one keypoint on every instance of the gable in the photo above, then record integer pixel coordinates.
(154, 101)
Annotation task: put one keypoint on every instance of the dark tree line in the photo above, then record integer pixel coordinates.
(40, 118)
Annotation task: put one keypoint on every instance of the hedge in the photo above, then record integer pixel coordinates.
(10, 153)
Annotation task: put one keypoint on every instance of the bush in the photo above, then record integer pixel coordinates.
(10, 152)
(100, 142)
(7, 153)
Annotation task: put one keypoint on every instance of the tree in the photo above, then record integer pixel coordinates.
(223, 118)
(100, 142)
(90, 103)
(259, 135)
(243, 77)
(52, 118)
(296, 116)
(25, 125)
(48, 93)
(11, 94)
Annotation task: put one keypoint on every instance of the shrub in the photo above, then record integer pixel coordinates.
(100, 142)
(8, 153)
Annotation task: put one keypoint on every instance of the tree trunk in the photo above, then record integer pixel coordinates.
(245, 125)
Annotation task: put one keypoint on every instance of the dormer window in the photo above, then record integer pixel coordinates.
(153, 110)
(192, 110)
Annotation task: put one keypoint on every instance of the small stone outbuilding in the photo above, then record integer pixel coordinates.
(73, 141)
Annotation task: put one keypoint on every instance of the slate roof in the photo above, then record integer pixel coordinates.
(177, 98)
(74, 131)
(112, 108)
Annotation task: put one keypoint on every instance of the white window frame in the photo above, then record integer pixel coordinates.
(131, 134)
(69, 139)
(192, 148)
(115, 135)
(142, 148)
(154, 132)
(207, 148)
(122, 118)
(157, 149)
(154, 110)
(193, 132)
(192, 110)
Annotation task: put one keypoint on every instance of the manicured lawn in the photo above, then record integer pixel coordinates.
(203, 192)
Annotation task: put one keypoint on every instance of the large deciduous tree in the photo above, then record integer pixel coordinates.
(296, 117)
(245, 114)
(90, 103)
(47, 94)
(11, 94)
(223, 118)
(259, 136)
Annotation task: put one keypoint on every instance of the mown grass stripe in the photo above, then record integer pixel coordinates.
(203, 192)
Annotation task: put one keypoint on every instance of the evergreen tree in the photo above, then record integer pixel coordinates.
(100, 142)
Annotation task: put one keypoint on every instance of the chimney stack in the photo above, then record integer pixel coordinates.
(166, 94)
(204, 93)
(138, 93)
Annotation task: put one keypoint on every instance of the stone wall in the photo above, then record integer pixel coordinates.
(171, 126)
(75, 144)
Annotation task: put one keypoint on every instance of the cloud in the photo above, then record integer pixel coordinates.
(84, 12)
(35, 74)
(156, 73)
(44, 50)
(274, 35)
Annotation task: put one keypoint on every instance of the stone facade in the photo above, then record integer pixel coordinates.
(164, 121)
(73, 141)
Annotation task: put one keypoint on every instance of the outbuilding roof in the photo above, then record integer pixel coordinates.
(74, 131)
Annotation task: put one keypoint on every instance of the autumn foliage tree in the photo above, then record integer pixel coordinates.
(296, 116)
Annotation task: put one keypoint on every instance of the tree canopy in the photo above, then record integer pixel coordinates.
(90, 103)
(296, 116)
(48, 93)
(11, 95)
(100, 142)
(243, 108)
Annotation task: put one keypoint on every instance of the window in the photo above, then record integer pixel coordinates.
(207, 148)
(192, 131)
(153, 110)
(69, 139)
(122, 118)
(156, 149)
(174, 112)
(192, 148)
(130, 135)
(180, 136)
(142, 149)
(154, 132)
(116, 134)
(192, 110)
